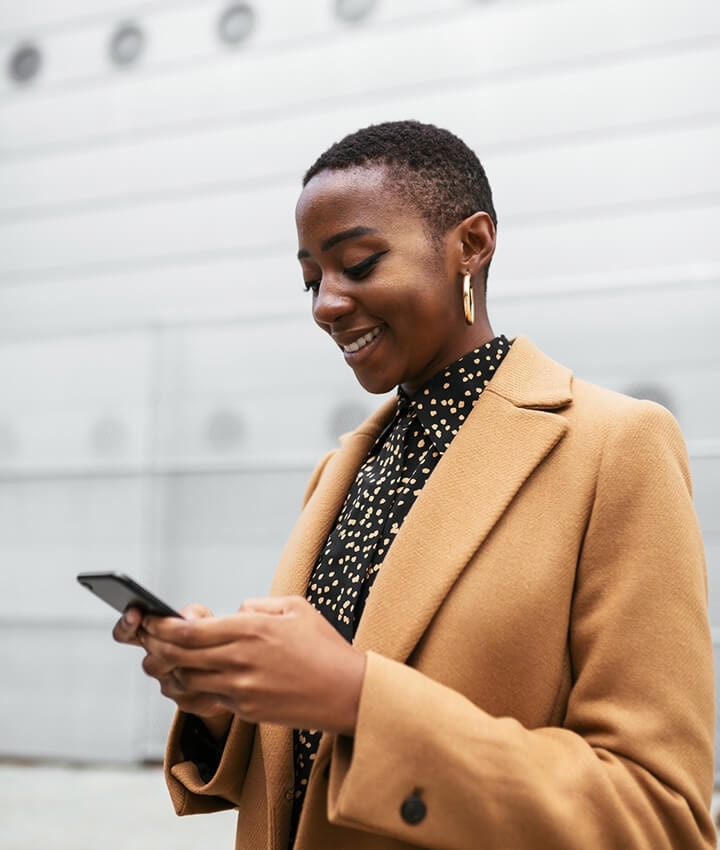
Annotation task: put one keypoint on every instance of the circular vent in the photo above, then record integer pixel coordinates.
(25, 63)
(225, 430)
(236, 23)
(108, 437)
(126, 45)
(354, 10)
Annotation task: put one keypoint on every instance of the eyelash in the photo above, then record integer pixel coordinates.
(357, 272)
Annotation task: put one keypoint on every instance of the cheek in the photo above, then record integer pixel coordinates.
(432, 310)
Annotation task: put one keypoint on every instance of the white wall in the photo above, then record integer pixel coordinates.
(159, 372)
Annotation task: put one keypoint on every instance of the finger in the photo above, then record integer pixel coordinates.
(197, 688)
(193, 701)
(172, 628)
(127, 627)
(172, 687)
(206, 631)
(211, 709)
(163, 657)
(190, 679)
(156, 667)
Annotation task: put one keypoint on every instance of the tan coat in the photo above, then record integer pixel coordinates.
(539, 660)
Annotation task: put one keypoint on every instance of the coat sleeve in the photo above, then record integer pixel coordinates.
(189, 792)
(631, 766)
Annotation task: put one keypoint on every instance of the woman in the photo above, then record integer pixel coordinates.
(488, 628)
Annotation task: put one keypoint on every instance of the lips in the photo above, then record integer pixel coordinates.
(361, 342)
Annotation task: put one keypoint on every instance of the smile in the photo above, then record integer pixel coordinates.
(362, 342)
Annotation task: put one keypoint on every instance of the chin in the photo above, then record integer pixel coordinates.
(375, 384)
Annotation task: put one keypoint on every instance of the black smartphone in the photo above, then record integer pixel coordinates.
(122, 593)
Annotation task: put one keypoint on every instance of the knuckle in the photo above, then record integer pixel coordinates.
(166, 688)
(247, 708)
(246, 698)
(187, 634)
(170, 655)
(195, 611)
(261, 629)
(121, 633)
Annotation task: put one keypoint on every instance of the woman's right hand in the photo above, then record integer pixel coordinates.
(205, 706)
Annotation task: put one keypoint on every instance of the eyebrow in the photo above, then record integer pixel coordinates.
(339, 237)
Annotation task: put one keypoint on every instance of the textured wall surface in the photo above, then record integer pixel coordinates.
(163, 391)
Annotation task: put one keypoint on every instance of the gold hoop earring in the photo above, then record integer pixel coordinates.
(468, 302)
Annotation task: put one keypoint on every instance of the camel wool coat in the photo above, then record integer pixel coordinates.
(539, 663)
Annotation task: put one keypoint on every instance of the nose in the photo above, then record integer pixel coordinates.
(332, 301)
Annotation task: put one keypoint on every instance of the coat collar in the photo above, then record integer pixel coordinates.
(530, 379)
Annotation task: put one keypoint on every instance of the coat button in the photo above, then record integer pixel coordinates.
(413, 810)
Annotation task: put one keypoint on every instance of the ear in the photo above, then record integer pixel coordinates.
(476, 236)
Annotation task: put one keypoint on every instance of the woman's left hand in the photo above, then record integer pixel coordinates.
(277, 660)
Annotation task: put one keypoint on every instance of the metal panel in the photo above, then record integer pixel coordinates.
(258, 222)
(68, 693)
(39, 14)
(262, 395)
(78, 402)
(175, 290)
(256, 86)
(628, 167)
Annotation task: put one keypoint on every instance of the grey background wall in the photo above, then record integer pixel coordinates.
(163, 391)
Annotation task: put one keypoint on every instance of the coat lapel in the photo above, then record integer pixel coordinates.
(510, 431)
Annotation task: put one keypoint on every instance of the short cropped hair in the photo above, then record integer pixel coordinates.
(432, 169)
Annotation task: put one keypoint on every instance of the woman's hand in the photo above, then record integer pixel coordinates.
(129, 629)
(277, 660)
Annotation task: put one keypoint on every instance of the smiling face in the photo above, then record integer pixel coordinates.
(387, 293)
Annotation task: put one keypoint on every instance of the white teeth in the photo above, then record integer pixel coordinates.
(362, 342)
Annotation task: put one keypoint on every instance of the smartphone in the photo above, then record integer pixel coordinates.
(122, 593)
